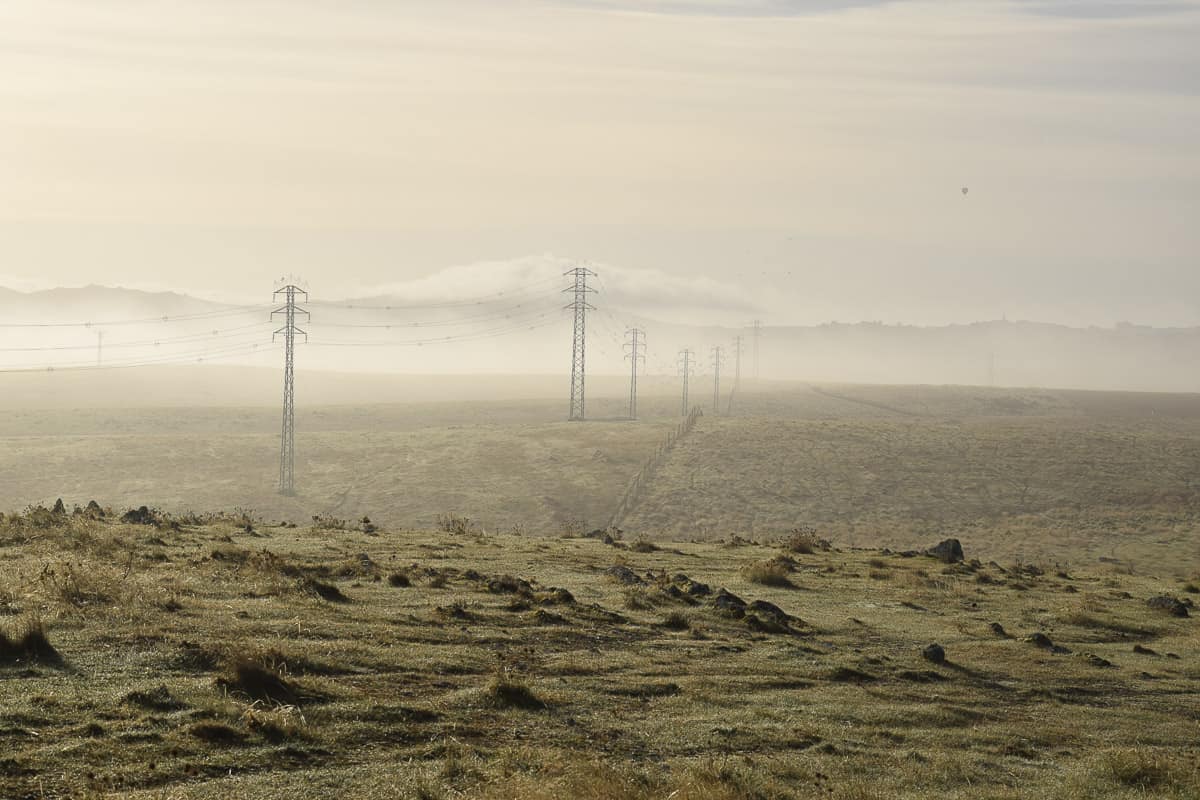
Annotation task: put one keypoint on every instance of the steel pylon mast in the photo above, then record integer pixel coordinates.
(580, 306)
(635, 349)
(757, 325)
(718, 358)
(287, 448)
(687, 369)
(737, 373)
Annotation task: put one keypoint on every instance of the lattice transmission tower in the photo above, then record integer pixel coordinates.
(687, 368)
(580, 306)
(635, 351)
(287, 448)
(757, 326)
(718, 358)
(737, 373)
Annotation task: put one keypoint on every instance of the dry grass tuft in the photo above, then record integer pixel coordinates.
(506, 693)
(1144, 770)
(27, 642)
(259, 683)
(769, 573)
(676, 621)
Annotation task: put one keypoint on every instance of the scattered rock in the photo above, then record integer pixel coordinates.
(139, 516)
(1097, 661)
(934, 653)
(1043, 641)
(697, 589)
(625, 575)
(1144, 651)
(544, 617)
(730, 604)
(675, 593)
(771, 612)
(998, 629)
(157, 699)
(948, 551)
(1168, 604)
(556, 596)
(507, 584)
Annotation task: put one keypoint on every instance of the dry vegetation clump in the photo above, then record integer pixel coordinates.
(1149, 771)
(506, 693)
(26, 641)
(776, 573)
(676, 621)
(805, 541)
(81, 585)
(456, 524)
(325, 591)
(253, 680)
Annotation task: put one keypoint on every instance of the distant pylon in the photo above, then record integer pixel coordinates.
(718, 357)
(687, 368)
(580, 306)
(737, 373)
(287, 448)
(635, 351)
(757, 327)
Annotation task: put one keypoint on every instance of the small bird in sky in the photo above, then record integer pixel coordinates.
(964, 191)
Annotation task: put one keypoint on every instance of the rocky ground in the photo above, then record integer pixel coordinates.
(218, 656)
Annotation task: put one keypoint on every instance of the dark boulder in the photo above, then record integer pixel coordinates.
(770, 612)
(948, 551)
(625, 575)
(1170, 605)
(139, 516)
(731, 604)
(935, 653)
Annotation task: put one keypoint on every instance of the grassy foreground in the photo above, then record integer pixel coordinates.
(216, 657)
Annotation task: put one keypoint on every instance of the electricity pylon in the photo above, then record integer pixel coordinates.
(757, 326)
(635, 351)
(718, 358)
(287, 451)
(737, 373)
(580, 306)
(687, 368)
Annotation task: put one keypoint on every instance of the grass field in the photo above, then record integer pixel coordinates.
(217, 658)
(1044, 476)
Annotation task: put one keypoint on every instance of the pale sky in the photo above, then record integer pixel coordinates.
(803, 158)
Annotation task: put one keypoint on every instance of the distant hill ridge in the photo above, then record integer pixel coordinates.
(1002, 353)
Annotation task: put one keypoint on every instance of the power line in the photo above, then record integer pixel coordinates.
(580, 306)
(197, 356)
(215, 335)
(540, 321)
(166, 318)
(493, 297)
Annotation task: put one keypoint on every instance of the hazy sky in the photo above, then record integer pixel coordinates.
(804, 157)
